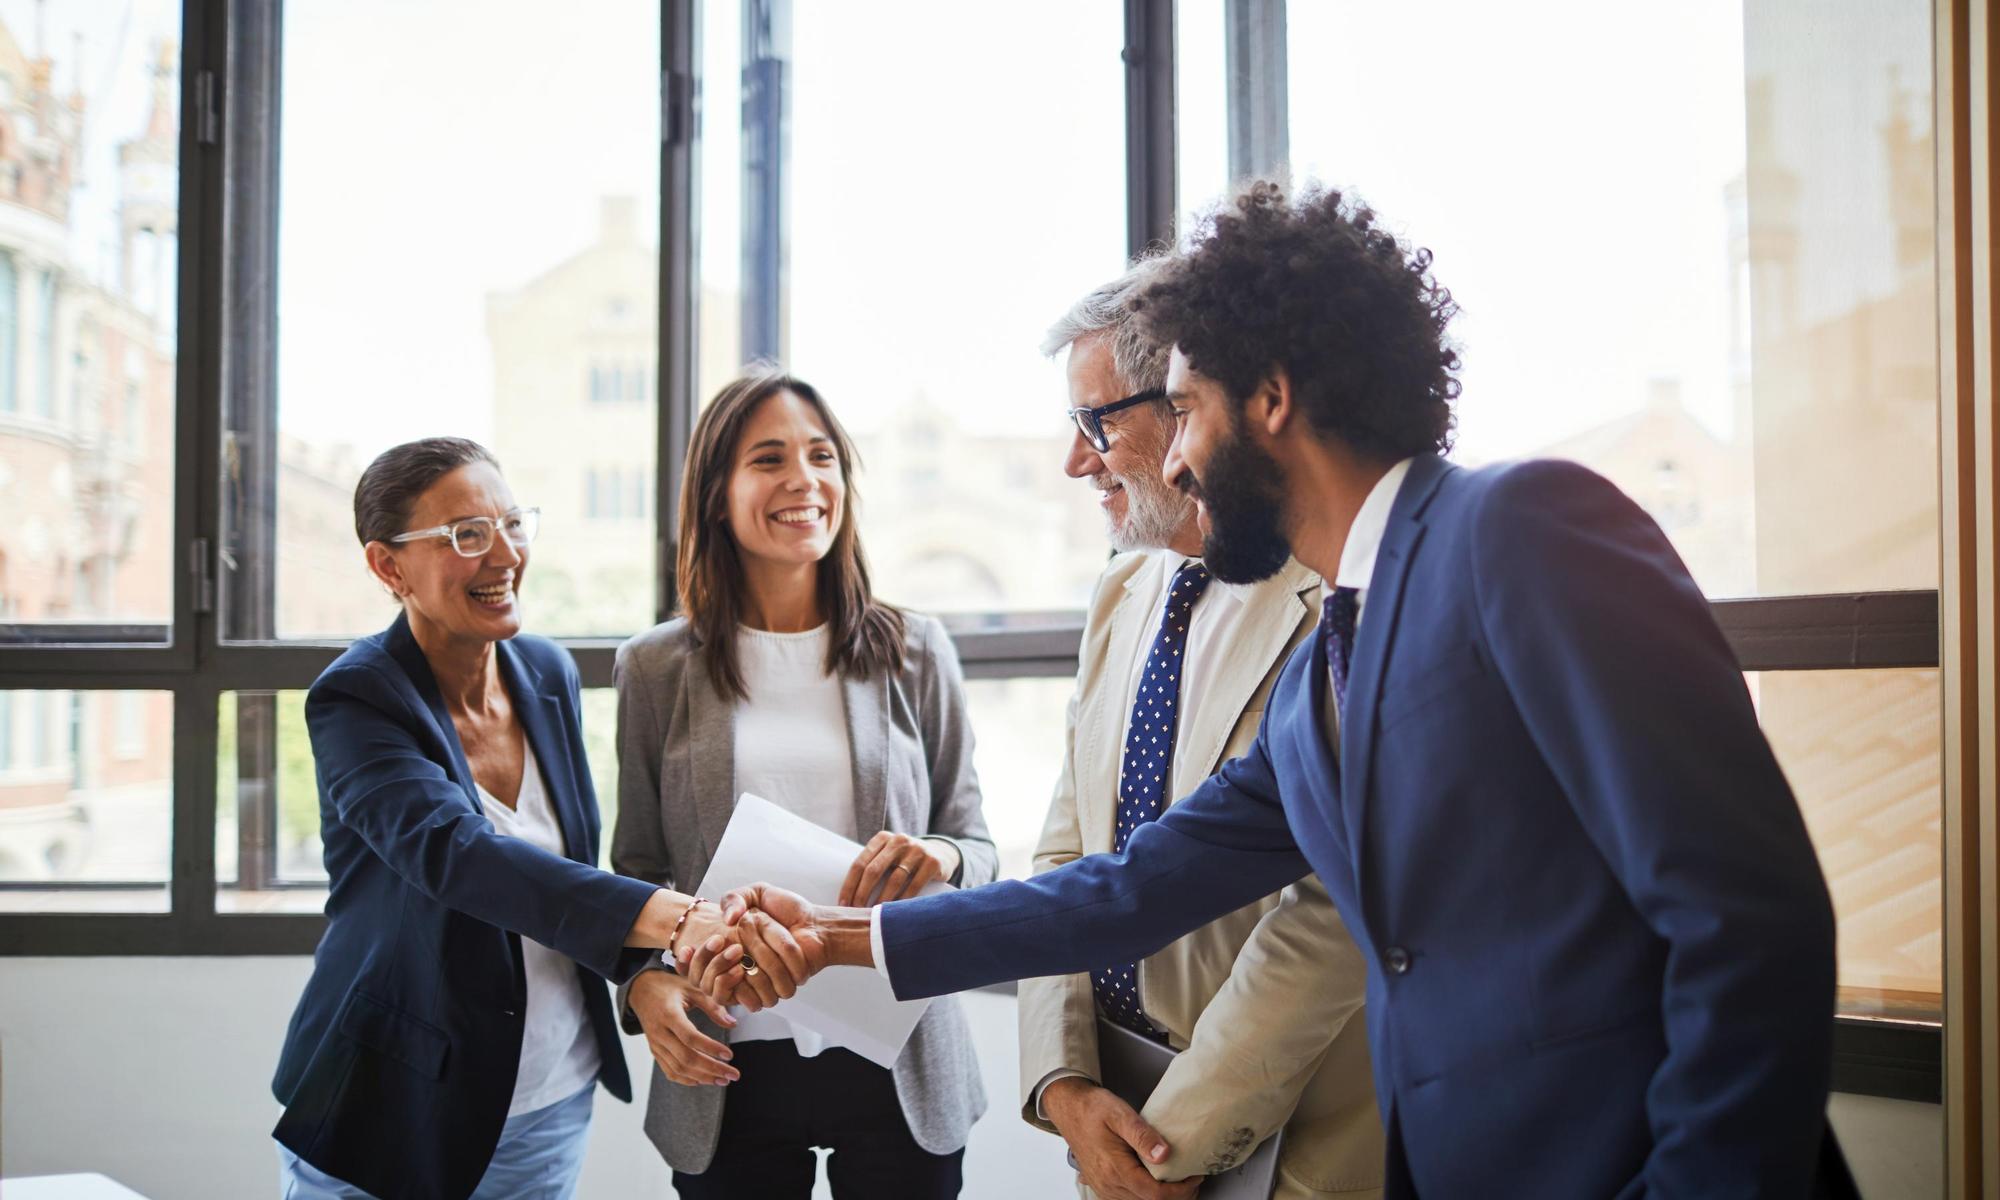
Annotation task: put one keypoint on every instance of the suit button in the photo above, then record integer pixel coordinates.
(508, 1012)
(1397, 960)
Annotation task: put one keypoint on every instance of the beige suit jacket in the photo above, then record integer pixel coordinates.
(1264, 1004)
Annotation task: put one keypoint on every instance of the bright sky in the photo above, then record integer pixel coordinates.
(1566, 163)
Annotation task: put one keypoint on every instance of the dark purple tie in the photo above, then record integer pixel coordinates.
(1336, 627)
(1146, 770)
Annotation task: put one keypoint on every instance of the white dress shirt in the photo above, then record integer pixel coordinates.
(1357, 568)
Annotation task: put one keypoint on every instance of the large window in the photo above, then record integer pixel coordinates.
(1726, 303)
(1694, 250)
(467, 247)
(905, 257)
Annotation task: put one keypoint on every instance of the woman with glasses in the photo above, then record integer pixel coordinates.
(456, 1023)
(788, 679)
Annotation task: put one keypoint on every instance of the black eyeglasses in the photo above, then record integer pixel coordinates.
(1090, 421)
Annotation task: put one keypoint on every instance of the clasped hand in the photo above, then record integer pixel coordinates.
(767, 944)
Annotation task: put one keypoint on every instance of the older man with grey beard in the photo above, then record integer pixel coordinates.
(1263, 1005)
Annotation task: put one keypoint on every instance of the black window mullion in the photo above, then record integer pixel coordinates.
(1149, 124)
(680, 165)
(246, 439)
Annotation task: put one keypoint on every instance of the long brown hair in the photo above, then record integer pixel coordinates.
(867, 635)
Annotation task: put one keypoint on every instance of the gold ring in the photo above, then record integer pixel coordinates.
(904, 869)
(750, 966)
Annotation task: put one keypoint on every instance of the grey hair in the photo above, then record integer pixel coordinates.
(1140, 361)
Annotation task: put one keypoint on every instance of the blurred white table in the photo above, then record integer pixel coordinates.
(66, 1187)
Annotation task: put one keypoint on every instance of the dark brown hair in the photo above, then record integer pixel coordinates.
(867, 635)
(1314, 286)
(389, 488)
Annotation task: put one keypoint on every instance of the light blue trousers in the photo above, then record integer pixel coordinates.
(538, 1158)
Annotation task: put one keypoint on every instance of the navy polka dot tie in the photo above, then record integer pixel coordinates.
(1146, 770)
(1337, 616)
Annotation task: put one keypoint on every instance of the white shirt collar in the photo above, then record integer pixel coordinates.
(1364, 536)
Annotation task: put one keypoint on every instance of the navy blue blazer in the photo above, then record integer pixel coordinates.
(399, 1064)
(1601, 956)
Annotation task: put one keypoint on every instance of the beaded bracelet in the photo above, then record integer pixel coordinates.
(675, 936)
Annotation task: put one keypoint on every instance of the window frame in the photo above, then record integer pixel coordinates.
(225, 322)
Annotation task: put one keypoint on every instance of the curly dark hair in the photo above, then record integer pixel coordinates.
(1316, 288)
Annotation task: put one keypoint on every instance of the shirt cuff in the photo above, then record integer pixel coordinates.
(875, 942)
(1043, 1086)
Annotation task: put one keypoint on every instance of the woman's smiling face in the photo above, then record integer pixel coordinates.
(787, 490)
(471, 598)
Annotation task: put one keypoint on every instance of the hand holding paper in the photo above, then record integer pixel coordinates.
(783, 932)
(894, 865)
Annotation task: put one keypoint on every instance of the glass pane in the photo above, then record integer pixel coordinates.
(504, 289)
(926, 246)
(719, 354)
(86, 800)
(1694, 249)
(89, 200)
(1018, 724)
(267, 847)
(1861, 751)
(1201, 109)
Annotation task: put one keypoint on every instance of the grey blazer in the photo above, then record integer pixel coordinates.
(913, 774)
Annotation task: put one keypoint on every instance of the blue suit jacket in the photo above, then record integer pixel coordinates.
(399, 1064)
(1601, 951)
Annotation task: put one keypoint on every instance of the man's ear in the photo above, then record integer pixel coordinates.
(1271, 407)
(383, 565)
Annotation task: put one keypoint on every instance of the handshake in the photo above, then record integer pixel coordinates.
(761, 943)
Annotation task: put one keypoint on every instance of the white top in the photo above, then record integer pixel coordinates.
(792, 749)
(558, 1052)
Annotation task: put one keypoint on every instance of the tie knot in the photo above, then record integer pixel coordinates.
(1189, 582)
(1340, 607)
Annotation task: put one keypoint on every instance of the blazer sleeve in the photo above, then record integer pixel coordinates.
(1057, 1014)
(1295, 985)
(638, 839)
(1213, 853)
(956, 813)
(402, 803)
(1636, 702)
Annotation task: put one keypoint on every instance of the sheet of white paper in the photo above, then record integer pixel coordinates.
(848, 1006)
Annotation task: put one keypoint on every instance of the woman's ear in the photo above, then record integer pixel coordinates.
(387, 571)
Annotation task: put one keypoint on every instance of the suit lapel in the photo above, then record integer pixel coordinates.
(868, 740)
(541, 716)
(402, 646)
(711, 754)
(1375, 639)
(1270, 616)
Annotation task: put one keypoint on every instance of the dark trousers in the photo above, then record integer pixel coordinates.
(786, 1105)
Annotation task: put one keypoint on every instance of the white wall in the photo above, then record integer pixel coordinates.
(1896, 1147)
(156, 1072)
